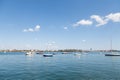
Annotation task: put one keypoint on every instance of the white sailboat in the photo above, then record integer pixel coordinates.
(112, 53)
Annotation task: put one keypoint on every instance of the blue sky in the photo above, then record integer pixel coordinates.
(59, 24)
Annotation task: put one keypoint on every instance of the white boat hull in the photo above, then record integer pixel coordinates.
(112, 54)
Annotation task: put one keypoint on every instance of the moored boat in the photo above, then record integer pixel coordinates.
(48, 55)
(64, 52)
(29, 53)
(39, 52)
(112, 54)
(77, 54)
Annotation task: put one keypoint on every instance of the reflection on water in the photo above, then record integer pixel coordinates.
(90, 66)
(30, 55)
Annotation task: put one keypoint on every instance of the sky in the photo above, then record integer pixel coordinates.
(59, 24)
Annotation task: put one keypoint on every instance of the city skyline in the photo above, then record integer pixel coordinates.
(59, 24)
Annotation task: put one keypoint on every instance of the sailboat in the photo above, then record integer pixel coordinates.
(112, 53)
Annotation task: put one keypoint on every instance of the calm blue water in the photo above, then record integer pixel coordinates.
(92, 66)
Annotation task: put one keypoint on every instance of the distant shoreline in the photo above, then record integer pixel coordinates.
(62, 50)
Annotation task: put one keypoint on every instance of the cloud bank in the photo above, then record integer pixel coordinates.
(115, 17)
(83, 22)
(99, 20)
(37, 28)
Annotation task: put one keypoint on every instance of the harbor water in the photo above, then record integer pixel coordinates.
(90, 66)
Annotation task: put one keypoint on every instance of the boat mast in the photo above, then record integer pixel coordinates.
(111, 44)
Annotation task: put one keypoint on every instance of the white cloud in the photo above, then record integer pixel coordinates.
(83, 22)
(100, 20)
(83, 40)
(66, 28)
(30, 30)
(37, 28)
(115, 17)
(25, 30)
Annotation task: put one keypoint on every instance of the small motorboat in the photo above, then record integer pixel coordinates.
(48, 55)
(39, 52)
(29, 53)
(65, 52)
(77, 54)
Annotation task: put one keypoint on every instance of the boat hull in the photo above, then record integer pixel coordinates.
(112, 54)
(48, 55)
